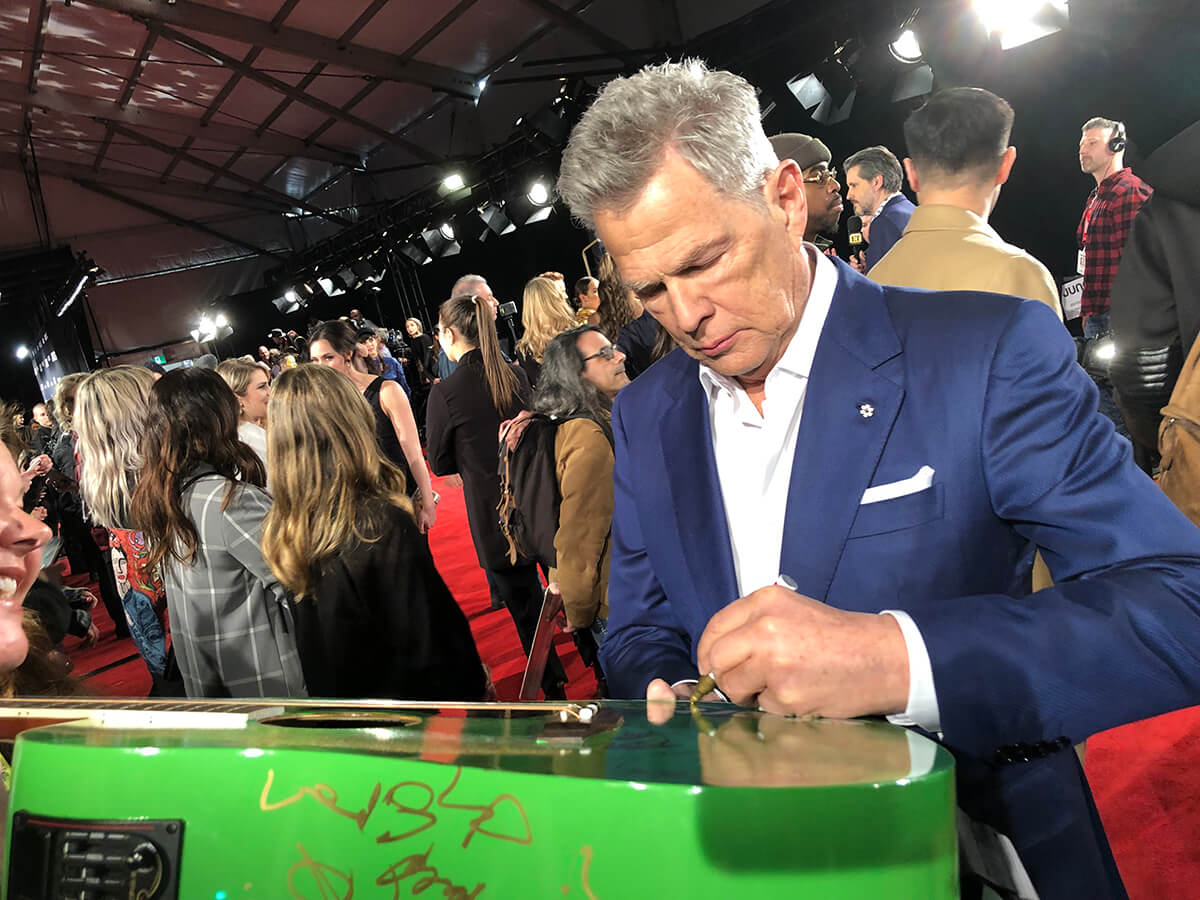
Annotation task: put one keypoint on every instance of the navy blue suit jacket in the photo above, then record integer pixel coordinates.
(985, 389)
(887, 227)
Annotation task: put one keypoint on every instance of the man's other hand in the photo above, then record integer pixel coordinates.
(788, 653)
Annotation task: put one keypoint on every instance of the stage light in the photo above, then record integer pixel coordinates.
(538, 193)
(913, 81)
(22, 352)
(447, 231)
(906, 48)
(221, 322)
(482, 83)
(288, 303)
(438, 243)
(496, 220)
(1018, 22)
(415, 251)
(453, 182)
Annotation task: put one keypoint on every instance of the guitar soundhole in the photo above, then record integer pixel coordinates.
(343, 719)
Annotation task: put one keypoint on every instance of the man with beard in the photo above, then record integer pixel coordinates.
(821, 188)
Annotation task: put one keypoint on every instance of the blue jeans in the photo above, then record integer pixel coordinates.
(1094, 326)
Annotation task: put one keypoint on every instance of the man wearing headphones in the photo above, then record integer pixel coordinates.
(1105, 224)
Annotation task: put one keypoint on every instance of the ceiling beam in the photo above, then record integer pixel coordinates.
(188, 190)
(232, 62)
(105, 111)
(572, 22)
(39, 12)
(95, 188)
(309, 45)
(232, 176)
(139, 64)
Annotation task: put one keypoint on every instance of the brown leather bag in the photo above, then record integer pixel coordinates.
(1179, 439)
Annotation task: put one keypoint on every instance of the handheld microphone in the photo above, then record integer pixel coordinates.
(854, 229)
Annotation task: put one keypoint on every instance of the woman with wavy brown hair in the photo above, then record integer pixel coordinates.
(544, 314)
(373, 616)
(201, 505)
(462, 436)
(618, 305)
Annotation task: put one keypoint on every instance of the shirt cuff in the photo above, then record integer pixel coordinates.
(922, 709)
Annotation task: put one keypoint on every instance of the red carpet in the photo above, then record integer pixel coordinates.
(1143, 775)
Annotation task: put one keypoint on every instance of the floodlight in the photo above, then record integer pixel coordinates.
(906, 48)
(22, 352)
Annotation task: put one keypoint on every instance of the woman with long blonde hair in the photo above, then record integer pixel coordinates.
(111, 410)
(544, 314)
(373, 616)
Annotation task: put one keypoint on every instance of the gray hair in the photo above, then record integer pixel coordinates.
(466, 284)
(878, 160)
(710, 118)
(562, 391)
(1100, 122)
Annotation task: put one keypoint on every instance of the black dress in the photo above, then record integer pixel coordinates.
(382, 623)
(461, 434)
(385, 433)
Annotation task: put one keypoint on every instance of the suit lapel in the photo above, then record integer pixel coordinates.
(849, 409)
(699, 510)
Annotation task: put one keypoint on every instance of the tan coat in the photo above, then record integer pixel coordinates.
(585, 479)
(946, 248)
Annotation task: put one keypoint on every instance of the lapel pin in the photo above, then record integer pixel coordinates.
(866, 410)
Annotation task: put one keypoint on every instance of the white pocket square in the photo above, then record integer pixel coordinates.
(919, 482)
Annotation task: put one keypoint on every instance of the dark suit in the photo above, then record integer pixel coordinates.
(887, 226)
(983, 388)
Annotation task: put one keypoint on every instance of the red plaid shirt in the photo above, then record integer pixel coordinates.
(1106, 221)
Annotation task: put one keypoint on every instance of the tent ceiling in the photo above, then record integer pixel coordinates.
(159, 135)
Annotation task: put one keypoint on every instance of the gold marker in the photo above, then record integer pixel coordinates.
(708, 683)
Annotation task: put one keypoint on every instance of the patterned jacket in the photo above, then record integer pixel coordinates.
(230, 621)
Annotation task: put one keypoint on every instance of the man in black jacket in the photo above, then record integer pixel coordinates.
(1156, 296)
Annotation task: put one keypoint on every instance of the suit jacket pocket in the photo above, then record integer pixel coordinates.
(896, 515)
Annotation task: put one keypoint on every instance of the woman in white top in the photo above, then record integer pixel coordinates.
(251, 384)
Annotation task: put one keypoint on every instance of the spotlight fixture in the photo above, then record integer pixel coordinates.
(415, 250)
(438, 243)
(288, 303)
(22, 352)
(538, 193)
(1017, 22)
(906, 48)
(453, 182)
(496, 220)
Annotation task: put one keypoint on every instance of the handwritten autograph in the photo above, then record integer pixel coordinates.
(418, 864)
(400, 797)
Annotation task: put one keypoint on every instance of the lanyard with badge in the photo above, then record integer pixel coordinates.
(1093, 202)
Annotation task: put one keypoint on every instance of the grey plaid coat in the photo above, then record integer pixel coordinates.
(231, 625)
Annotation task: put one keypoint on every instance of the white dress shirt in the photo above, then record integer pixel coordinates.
(754, 455)
(886, 201)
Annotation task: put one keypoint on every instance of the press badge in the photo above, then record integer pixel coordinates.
(1081, 262)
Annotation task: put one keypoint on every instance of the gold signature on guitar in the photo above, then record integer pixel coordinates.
(328, 798)
(342, 890)
(418, 865)
(323, 794)
(486, 813)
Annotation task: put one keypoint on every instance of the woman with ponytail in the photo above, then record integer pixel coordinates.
(461, 429)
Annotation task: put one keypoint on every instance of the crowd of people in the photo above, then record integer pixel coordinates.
(929, 432)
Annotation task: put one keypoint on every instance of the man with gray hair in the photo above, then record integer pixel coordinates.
(477, 286)
(873, 182)
(849, 547)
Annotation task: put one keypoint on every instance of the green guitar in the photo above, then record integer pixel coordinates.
(333, 800)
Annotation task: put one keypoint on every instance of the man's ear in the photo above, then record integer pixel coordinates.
(877, 184)
(784, 193)
(910, 171)
(1006, 164)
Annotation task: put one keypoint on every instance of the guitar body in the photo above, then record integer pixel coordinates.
(334, 801)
